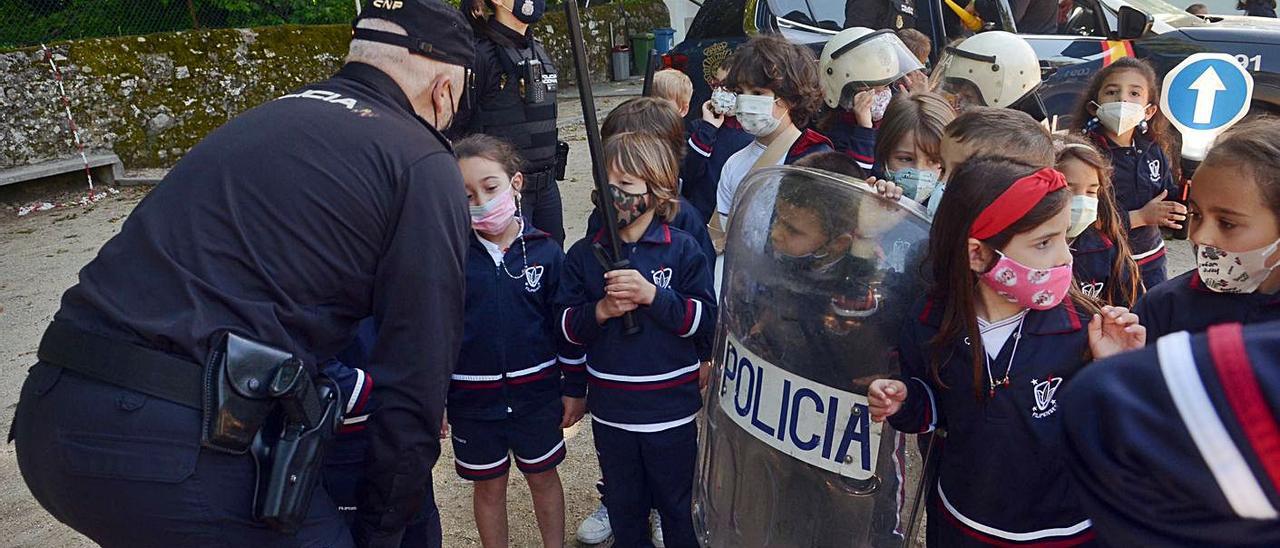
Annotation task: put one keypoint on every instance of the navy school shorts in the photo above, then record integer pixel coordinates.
(483, 449)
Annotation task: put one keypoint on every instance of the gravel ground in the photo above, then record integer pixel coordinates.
(43, 251)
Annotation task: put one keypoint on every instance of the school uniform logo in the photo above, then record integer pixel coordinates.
(1044, 392)
(661, 277)
(1093, 290)
(533, 278)
(1154, 167)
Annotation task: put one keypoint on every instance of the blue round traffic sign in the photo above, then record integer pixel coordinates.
(1207, 92)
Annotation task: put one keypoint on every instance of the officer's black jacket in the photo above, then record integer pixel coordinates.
(289, 224)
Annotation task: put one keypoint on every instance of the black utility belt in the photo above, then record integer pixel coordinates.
(253, 398)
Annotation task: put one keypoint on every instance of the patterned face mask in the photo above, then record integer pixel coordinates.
(1227, 272)
(1035, 288)
(881, 103)
(723, 101)
(629, 206)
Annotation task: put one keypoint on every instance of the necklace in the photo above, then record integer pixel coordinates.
(524, 255)
(1003, 382)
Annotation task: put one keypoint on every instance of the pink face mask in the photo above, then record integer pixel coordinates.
(1028, 287)
(492, 217)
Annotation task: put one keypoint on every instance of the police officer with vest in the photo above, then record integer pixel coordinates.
(176, 400)
(515, 100)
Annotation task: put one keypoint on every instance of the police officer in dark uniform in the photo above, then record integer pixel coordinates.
(178, 378)
(1176, 444)
(515, 100)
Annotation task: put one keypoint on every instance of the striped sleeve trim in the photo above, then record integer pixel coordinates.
(699, 147)
(1219, 452)
(692, 317)
(566, 320)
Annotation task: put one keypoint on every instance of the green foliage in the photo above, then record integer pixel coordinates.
(30, 22)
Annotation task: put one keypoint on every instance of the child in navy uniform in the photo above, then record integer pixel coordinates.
(1103, 266)
(1235, 226)
(507, 395)
(643, 387)
(652, 116)
(1119, 112)
(1000, 330)
(1175, 445)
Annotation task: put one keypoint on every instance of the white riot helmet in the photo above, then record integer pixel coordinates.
(858, 58)
(994, 68)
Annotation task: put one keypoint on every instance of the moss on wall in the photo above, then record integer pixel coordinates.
(150, 98)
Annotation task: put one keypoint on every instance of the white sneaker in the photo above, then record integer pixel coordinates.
(595, 529)
(655, 530)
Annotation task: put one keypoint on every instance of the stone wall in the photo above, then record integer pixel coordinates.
(150, 98)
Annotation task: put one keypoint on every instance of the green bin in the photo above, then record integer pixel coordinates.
(641, 45)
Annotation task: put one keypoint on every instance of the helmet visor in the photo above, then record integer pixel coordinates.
(955, 78)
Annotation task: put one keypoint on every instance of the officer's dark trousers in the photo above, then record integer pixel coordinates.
(127, 470)
(540, 200)
(648, 470)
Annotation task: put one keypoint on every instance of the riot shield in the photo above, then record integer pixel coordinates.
(789, 455)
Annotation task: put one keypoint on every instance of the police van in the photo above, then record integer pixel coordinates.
(1096, 32)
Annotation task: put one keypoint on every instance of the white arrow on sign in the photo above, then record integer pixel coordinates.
(1207, 87)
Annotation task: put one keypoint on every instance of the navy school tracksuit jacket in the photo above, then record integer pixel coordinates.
(709, 147)
(1001, 477)
(1093, 255)
(854, 140)
(512, 355)
(1141, 172)
(1176, 444)
(1185, 304)
(650, 377)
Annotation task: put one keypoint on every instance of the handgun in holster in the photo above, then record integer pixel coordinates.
(290, 456)
(262, 400)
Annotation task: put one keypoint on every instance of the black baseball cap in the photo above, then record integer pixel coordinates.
(435, 29)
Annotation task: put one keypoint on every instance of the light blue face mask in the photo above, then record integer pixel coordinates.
(916, 184)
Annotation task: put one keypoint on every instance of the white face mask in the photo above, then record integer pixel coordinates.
(1227, 272)
(1084, 211)
(1120, 117)
(755, 113)
(723, 101)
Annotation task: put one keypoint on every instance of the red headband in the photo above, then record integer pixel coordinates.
(1015, 202)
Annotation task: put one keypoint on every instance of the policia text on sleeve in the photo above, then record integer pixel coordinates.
(278, 232)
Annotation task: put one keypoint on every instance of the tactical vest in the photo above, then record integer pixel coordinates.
(523, 115)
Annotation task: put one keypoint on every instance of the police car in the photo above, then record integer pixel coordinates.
(1097, 33)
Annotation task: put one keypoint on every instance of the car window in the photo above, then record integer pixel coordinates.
(1083, 19)
(718, 19)
(823, 14)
